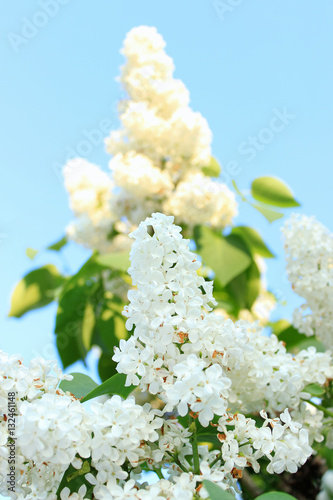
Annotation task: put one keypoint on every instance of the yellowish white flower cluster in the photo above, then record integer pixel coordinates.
(158, 155)
(309, 255)
(90, 191)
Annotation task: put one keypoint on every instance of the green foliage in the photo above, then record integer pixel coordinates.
(110, 328)
(315, 390)
(273, 191)
(114, 260)
(70, 321)
(114, 385)
(37, 289)
(294, 340)
(244, 289)
(87, 314)
(80, 386)
(275, 495)
(74, 478)
(270, 215)
(106, 366)
(213, 169)
(227, 256)
(215, 492)
(31, 253)
(237, 277)
(290, 336)
(58, 244)
(253, 240)
(327, 453)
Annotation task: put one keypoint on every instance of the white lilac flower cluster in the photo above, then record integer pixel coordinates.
(198, 364)
(309, 255)
(54, 430)
(196, 359)
(158, 156)
(90, 191)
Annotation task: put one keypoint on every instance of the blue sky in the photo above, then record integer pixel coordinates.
(243, 62)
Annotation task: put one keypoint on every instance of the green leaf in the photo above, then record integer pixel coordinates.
(114, 385)
(114, 260)
(96, 264)
(253, 240)
(69, 323)
(327, 453)
(58, 244)
(273, 191)
(89, 269)
(84, 470)
(31, 253)
(311, 342)
(74, 478)
(80, 386)
(208, 438)
(253, 284)
(279, 326)
(88, 325)
(296, 341)
(245, 287)
(275, 495)
(213, 169)
(215, 492)
(226, 256)
(238, 191)
(315, 390)
(106, 366)
(270, 215)
(111, 322)
(37, 289)
(290, 336)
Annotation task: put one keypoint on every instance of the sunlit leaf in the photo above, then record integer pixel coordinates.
(37, 289)
(58, 244)
(226, 256)
(213, 169)
(114, 260)
(31, 253)
(270, 215)
(273, 191)
(253, 240)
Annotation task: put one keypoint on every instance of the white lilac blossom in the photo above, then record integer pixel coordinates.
(198, 199)
(205, 369)
(158, 156)
(195, 362)
(309, 255)
(90, 192)
(30, 385)
(192, 358)
(54, 430)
